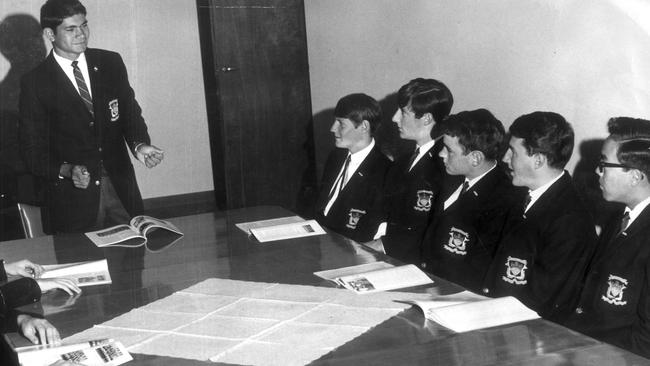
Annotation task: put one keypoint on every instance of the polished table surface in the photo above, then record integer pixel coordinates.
(214, 248)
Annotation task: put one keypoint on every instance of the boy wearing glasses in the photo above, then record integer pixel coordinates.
(614, 303)
(549, 239)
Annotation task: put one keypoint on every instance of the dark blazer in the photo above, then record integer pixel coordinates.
(358, 209)
(409, 199)
(543, 254)
(614, 303)
(461, 241)
(57, 128)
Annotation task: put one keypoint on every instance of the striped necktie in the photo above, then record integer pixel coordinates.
(83, 88)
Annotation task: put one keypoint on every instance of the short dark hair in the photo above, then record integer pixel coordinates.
(624, 128)
(426, 96)
(546, 133)
(54, 11)
(635, 154)
(477, 130)
(357, 108)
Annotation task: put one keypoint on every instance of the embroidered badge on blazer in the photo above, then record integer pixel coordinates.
(354, 216)
(114, 107)
(516, 271)
(457, 241)
(423, 202)
(614, 294)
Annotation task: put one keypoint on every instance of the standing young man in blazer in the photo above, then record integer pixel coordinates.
(78, 115)
(614, 303)
(550, 237)
(469, 219)
(350, 200)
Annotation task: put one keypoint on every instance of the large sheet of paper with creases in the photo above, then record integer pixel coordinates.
(251, 323)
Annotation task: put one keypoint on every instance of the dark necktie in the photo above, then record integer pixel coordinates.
(412, 159)
(83, 88)
(624, 221)
(526, 202)
(464, 188)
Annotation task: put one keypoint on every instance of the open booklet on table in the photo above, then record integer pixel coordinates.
(106, 352)
(281, 228)
(467, 311)
(155, 234)
(376, 276)
(83, 273)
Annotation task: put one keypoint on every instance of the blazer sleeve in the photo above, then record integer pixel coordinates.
(134, 127)
(34, 131)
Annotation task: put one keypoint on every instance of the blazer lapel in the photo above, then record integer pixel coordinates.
(62, 82)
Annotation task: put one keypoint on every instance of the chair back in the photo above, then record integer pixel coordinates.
(30, 217)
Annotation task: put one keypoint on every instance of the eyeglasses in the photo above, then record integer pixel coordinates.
(602, 165)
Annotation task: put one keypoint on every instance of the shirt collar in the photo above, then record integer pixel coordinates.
(475, 180)
(537, 193)
(67, 64)
(636, 211)
(360, 155)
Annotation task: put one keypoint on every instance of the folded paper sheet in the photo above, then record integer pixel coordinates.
(253, 323)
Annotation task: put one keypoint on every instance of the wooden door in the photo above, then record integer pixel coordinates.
(259, 105)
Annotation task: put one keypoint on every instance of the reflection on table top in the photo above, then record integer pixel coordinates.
(214, 247)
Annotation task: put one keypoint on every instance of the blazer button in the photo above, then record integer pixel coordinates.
(96, 182)
(486, 290)
(100, 149)
(579, 310)
(91, 123)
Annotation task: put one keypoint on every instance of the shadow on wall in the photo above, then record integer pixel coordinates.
(586, 181)
(21, 43)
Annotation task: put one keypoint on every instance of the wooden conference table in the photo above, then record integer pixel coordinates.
(214, 248)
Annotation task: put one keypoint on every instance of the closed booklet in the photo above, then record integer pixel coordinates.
(106, 352)
(247, 226)
(376, 276)
(464, 316)
(83, 273)
(155, 234)
(287, 231)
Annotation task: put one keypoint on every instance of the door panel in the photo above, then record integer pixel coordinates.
(260, 101)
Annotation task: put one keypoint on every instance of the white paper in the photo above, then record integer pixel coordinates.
(88, 353)
(247, 226)
(474, 315)
(83, 273)
(287, 231)
(385, 279)
(333, 274)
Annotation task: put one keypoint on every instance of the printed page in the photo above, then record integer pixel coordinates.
(111, 354)
(334, 274)
(385, 279)
(122, 234)
(288, 231)
(87, 352)
(143, 224)
(84, 273)
(480, 314)
(247, 226)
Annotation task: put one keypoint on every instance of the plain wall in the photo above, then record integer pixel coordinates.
(587, 60)
(159, 42)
